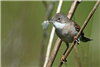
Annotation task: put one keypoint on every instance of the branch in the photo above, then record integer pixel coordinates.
(76, 55)
(72, 9)
(49, 10)
(51, 36)
(58, 41)
(84, 25)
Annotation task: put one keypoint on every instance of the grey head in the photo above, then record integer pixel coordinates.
(60, 17)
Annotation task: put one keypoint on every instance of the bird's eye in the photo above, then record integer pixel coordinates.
(59, 18)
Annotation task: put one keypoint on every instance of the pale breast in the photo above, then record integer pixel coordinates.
(67, 33)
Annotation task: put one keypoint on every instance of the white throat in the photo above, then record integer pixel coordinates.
(58, 25)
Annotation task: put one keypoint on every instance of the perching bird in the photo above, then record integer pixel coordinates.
(66, 29)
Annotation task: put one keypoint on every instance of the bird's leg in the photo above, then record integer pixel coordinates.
(66, 48)
(62, 58)
(77, 40)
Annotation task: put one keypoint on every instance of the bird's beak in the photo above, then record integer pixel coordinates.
(51, 21)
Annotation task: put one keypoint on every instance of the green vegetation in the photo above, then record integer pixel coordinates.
(22, 32)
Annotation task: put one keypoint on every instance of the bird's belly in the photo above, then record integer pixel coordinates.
(66, 36)
(67, 39)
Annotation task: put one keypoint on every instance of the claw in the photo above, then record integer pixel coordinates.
(77, 40)
(62, 59)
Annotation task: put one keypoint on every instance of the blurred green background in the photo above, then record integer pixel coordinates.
(22, 34)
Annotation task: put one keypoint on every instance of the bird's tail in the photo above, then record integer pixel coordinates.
(85, 39)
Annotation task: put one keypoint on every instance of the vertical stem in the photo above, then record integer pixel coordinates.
(84, 25)
(58, 41)
(51, 37)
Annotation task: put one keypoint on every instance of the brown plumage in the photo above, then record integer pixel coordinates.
(66, 25)
(67, 29)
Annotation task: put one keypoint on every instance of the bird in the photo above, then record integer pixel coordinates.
(67, 29)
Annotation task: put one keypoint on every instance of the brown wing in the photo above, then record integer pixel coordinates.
(77, 27)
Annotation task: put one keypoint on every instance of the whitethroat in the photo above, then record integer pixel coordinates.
(67, 29)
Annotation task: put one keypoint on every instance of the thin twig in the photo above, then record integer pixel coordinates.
(45, 32)
(73, 8)
(84, 25)
(77, 57)
(51, 36)
(58, 41)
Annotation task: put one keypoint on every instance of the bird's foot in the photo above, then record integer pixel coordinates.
(63, 60)
(77, 40)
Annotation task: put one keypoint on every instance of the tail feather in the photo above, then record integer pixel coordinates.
(85, 39)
